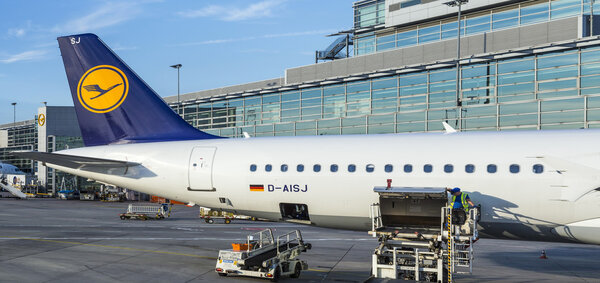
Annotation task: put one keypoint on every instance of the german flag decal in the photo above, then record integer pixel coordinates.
(257, 188)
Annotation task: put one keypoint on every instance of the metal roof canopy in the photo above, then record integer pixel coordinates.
(478, 58)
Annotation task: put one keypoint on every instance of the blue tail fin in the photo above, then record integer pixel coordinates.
(113, 104)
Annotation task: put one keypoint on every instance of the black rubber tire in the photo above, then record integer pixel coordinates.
(276, 274)
(122, 217)
(227, 221)
(210, 221)
(297, 270)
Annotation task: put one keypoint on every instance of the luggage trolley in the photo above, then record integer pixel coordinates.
(145, 211)
(418, 239)
(264, 257)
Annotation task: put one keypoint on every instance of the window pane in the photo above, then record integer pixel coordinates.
(253, 168)
(351, 168)
(389, 168)
(554, 61)
(448, 168)
(427, 168)
(370, 168)
(492, 168)
(333, 168)
(300, 168)
(268, 167)
(538, 168)
(469, 168)
(513, 65)
(284, 168)
(317, 168)
(514, 168)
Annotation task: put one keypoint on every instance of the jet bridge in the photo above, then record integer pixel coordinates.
(418, 237)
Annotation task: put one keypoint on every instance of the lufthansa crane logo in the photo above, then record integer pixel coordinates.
(102, 89)
(41, 120)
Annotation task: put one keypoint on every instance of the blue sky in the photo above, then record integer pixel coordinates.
(219, 43)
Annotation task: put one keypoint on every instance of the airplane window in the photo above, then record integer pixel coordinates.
(284, 167)
(351, 168)
(427, 168)
(253, 167)
(448, 168)
(370, 168)
(300, 168)
(469, 168)
(316, 167)
(333, 168)
(407, 168)
(514, 168)
(389, 168)
(491, 168)
(268, 167)
(538, 168)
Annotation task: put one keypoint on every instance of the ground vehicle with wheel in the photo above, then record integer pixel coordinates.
(146, 211)
(264, 257)
(209, 215)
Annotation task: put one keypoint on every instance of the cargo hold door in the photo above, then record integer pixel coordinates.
(200, 169)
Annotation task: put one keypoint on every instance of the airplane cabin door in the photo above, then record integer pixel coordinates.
(200, 169)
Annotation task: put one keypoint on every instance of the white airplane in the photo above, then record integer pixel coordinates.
(6, 168)
(536, 185)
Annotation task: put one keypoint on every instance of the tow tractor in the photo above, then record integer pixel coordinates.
(145, 212)
(264, 257)
(419, 237)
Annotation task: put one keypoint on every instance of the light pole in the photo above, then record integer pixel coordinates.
(14, 104)
(458, 3)
(177, 66)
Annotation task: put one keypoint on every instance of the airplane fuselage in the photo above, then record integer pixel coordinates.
(543, 187)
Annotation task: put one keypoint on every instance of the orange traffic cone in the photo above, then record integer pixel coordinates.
(543, 255)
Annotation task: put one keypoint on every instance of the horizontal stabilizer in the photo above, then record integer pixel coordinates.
(74, 161)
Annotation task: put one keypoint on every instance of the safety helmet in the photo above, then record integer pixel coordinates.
(455, 190)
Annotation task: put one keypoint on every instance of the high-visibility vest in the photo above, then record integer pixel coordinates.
(463, 200)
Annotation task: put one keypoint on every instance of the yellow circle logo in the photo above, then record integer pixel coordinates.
(102, 89)
(41, 120)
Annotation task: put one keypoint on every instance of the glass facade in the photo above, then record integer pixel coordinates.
(505, 17)
(54, 178)
(20, 137)
(544, 91)
(369, 13)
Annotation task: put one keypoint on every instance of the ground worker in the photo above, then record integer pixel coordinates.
(460, 205)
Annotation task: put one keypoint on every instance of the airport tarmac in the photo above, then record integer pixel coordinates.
(48, 240)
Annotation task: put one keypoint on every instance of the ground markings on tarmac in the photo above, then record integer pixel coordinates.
(111, 247)
(125, 248)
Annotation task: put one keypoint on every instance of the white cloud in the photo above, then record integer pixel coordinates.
(272, 35)
(229, 13)
(17, 32)
(24, 56)
(20, 31)
(119, 47)
(108, 15)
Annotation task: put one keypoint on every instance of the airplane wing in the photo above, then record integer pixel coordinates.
(74, 161)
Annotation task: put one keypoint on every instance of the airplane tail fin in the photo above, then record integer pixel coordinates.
(113, 104)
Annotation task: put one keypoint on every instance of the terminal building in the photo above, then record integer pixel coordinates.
(53, 128)
(524, 65)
